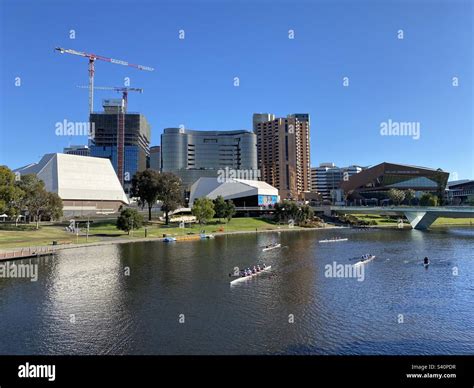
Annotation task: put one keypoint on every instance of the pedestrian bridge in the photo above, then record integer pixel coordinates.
(419, 217)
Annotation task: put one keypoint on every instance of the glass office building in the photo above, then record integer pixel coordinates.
(194, 154)
(137, 140)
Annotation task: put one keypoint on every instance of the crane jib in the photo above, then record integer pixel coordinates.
(119, 62)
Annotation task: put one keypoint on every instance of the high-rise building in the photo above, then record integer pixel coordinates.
(283, 151)
(105, 139)
(194, 154)
(155, 158)
(327, 178)
(81, 150)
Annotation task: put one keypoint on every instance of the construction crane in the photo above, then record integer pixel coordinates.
(92, 58)
(120, 124)
(119, 89)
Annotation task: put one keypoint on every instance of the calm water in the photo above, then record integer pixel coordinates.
(139, 314)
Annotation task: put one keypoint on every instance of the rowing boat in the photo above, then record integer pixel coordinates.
(364, 261)
(169, 239)
(333, 240)
(275, 246)
(245, 278)
(206, 236)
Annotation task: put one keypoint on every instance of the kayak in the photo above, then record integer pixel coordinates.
(363, 261)
(245, 278)
(333, 240)
(169, 239)
(271, 247)
(426, 265)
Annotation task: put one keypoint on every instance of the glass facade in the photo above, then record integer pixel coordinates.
(193, 154)
(131, 158)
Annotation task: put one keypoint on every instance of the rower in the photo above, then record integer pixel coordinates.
(426, 261)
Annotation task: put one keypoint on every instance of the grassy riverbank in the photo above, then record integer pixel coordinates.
(106, 231)
(28, 236)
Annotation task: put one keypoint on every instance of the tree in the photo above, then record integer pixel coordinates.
(169, 193)
(229, 210)
(203, 209)
(289, 210)
(129, 219)
(39, 202)
(145, 187)
(220, 207)
(11, 194)
(428, 199)
(397, 196)
(305, 213)
(54, 206)
(409, 195)
(441, 179)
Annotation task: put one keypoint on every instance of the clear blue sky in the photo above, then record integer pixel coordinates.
(192, 85)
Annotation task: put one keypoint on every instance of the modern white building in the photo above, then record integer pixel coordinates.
(244, 193)
(86, 185)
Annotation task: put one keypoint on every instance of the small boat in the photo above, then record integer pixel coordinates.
(426, 262)
(246, 277)
(269, 247)
(169, 239)
(365, 259)
(337, 239)
(206, 236)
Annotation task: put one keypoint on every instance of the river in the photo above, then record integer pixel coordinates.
(158, 298)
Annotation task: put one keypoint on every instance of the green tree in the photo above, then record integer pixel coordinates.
(54, 207)
(145, 187)
(169, 193)
(220, 207)
(229, 210)
(428, 199)
(11, 194)
(203, 209)
(39, 202)
(285, 211)
(441, 181)
(305, 213)
(396, 196)
(129, 219)
(409, 195)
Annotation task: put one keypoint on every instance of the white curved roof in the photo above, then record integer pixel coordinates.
(75, 177)
(229, 189)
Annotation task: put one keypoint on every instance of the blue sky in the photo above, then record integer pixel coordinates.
(405, 80)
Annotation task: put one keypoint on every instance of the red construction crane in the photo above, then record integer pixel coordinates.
(120, 124)
(92, 59)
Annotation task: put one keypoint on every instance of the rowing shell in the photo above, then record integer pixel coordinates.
(334, 240)
(272, 247)
(371, 257)
(244, 278)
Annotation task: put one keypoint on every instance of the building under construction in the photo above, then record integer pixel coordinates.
(136, 141)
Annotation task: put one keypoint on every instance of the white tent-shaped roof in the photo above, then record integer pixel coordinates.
(229, 188)
(81, 178)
